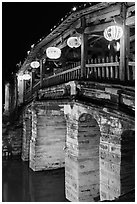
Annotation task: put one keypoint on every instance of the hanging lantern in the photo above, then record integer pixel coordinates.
(26, 76)
(117, 46)
(53, 52)
(113, 33)
(74, 42)
(34, 64)
(20, 77)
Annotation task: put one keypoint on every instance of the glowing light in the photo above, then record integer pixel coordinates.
(20, 77)
(53, 52)
(117, 46)
(34, 64)
(32, 46)
(113, 33)
(74, 42)
(26, 77)
(74, 8)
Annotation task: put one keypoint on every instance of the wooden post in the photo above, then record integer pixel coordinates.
(24, 89)
(7, 98)
(83, 48)
(124, 47)
(15, 91)
(32, 80)
(41, 72)
(20, 90)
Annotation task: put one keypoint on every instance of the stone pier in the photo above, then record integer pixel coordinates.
(48, 136)
(82, 155)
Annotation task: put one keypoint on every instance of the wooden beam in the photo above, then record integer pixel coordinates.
(124, 47)
(32, 80)
(24, 89)
(83, 48)
(41, 72)
(103, 14)
(98, 28)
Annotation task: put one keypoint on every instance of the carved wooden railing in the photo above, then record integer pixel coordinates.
(99, 70)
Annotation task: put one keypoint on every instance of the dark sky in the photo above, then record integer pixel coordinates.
(23, 24)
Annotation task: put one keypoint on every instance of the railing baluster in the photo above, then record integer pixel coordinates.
(116, 68)
(107, 68)
(95, 69)
(111, 69)
(133, 70)
(69, 76)
(103, 69)
(99, 68)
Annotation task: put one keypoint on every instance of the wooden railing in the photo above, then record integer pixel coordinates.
(104, 70)
(131, 71)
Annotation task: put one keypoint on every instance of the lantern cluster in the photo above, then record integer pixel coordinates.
(113, 33)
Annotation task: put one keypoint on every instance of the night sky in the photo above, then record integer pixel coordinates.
(23, 24)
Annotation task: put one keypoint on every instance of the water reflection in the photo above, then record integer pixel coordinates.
(21, 184)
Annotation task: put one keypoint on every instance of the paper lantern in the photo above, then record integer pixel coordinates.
(113, 33)
(20, 77)
(53, 52)
(34, 64)
(74, 42)
(26, 76)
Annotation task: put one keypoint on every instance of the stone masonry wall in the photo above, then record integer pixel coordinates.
(110, 157)
(115, 158)
(82, 156)
(116, 168)
(27, 131)
(12, 139)
(48, 137)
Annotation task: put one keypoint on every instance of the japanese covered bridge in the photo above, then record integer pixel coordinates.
(74, 98)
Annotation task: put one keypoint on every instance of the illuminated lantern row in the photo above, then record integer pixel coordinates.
(53, 52)
(113, 33)
(34, 64)
(74, 42)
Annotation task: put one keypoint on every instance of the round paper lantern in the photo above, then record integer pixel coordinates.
(34, 64)
(74, 42)
(26, 77)
(20, 77)
(113, 33)
(53, 52)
